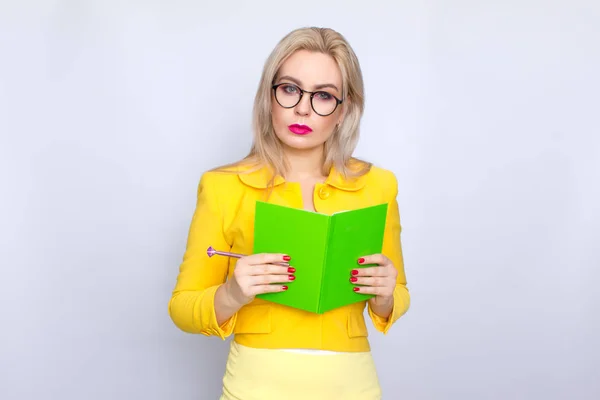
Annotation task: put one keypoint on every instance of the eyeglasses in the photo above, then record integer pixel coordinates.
(289, 95)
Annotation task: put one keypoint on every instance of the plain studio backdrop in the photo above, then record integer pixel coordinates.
(488, 113)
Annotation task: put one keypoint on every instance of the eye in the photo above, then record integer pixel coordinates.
(290, 89)
(324, 96)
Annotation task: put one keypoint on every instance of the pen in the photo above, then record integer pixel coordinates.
(211, 252)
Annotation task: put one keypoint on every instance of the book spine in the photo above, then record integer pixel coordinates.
(328, 233)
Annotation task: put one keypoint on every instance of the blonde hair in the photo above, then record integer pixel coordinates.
(266, 148)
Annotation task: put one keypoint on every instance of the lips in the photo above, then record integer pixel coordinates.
(299, 129)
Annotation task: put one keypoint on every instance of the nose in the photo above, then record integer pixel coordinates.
(303, 107)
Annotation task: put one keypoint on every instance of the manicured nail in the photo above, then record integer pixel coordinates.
(353, 279)
(356, 289)
(291, 269)
(354, 272)
(284, 287)
(361, 260)
(287, 258)
(291, 277)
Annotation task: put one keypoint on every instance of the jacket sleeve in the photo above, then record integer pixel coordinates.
(392, 248)
(191, 306)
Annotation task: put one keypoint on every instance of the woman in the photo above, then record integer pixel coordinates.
(306, 125)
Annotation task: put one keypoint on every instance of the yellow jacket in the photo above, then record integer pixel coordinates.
(224, 218)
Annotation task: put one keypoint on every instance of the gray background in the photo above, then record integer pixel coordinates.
(486, 111)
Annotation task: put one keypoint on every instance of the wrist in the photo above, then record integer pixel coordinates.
(382, 306)
(229, 298)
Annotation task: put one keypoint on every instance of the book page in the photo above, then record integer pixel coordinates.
(353, 234)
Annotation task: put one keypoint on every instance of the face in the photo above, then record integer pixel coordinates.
(301, 127)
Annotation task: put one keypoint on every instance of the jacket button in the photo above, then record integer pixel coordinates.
(324, 193)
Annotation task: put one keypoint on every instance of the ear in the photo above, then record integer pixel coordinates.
(343, 113)
(342, 116)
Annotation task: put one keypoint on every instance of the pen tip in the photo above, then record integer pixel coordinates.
(210, 251)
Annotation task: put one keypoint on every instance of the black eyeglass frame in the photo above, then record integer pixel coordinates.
(312, 94)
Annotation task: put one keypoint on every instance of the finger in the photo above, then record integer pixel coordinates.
(267, 258)
(259, 280)
(270, 269)
(376, 290)
(268, 289)
(369, 281)
(370, 271)
(378, 259)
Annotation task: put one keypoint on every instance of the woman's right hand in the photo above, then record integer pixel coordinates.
(257, 274)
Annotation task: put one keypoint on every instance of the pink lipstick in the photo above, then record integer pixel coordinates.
(299, 129)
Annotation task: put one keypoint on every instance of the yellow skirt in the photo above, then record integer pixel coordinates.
(266, 374)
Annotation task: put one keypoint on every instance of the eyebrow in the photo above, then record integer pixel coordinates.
(317, 87)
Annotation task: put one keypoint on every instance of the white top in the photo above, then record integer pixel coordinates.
(311, 351)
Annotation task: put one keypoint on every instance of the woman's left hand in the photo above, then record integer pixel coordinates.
(379, 280)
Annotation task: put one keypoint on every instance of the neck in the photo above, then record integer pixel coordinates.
(305, 164)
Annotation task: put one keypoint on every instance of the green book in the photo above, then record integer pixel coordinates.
(324, 249)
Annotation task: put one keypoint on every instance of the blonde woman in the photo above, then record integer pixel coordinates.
(307, 113)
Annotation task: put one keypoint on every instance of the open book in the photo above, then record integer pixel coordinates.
(324, 250)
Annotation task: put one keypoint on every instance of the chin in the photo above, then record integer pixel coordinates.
(299, 142)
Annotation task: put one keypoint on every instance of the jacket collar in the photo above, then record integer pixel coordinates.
(259, 178)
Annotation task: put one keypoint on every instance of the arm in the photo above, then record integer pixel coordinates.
(385, 312)
(198, 303)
